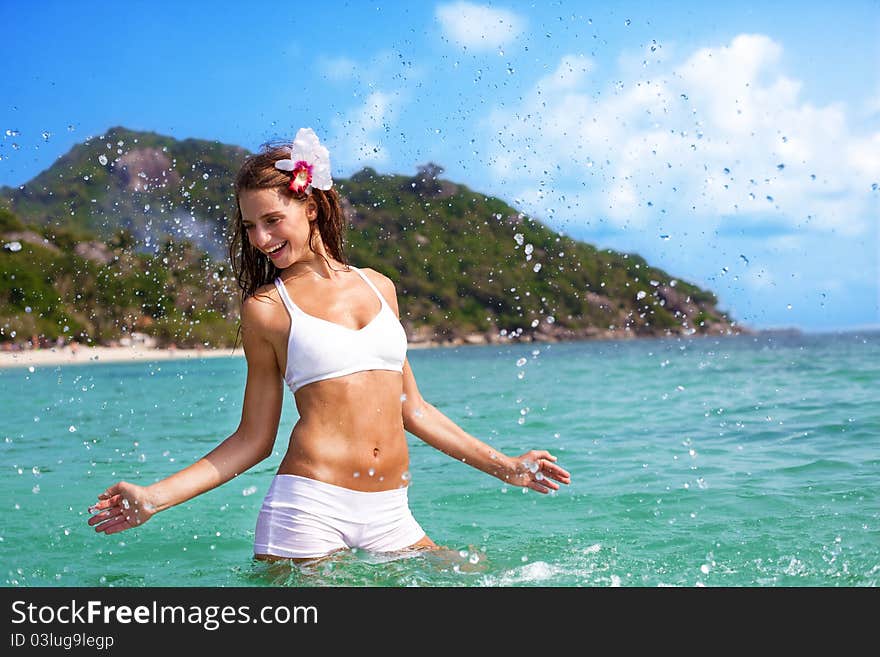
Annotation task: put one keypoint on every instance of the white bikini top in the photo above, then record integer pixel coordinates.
(319, 349)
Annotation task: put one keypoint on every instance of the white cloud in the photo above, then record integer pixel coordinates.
(361, 133)
(720, 134)
(759, 280)
(338, 68)
(478, 27)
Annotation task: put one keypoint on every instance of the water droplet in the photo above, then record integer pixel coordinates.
(627, 22)
(520, 362)
(537, 267)
(746, 260)
(102, 159)
(13, 246)
(641, 294)
(205, 176)
(529, 248)
(519, 239)
(371, 471)
(32, 370)
(704, 569)
(46, 135)
(12, 133)
(250, 490)
(780, 166)
(71, 428)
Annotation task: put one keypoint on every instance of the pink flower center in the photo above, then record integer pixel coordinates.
(302, 176)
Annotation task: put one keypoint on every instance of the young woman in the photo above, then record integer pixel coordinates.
(332, 332)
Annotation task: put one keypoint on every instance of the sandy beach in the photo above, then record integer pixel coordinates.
(84, 355)
(50, 356)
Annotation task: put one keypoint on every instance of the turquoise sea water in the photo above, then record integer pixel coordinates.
(740, 461)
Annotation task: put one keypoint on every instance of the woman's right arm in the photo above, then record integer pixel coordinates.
(125, 505)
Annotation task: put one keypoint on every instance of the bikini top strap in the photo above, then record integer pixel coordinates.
(285, 298)
(370, 283)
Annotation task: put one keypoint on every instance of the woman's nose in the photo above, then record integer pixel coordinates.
(260, 236)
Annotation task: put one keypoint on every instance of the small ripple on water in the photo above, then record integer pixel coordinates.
(819, 466)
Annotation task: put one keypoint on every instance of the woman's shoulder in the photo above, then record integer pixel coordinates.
(260, 307)
(380, 280)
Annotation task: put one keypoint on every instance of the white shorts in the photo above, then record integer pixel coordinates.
(303, 518)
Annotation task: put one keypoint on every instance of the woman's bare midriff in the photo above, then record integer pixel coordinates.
(350, 432)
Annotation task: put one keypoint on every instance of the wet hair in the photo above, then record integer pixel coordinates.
(253, 268)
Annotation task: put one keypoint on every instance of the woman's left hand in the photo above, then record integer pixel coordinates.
(537, 469)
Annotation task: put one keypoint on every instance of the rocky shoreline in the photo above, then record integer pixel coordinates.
(547, 333)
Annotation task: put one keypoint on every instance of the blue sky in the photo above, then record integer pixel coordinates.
(735, 145)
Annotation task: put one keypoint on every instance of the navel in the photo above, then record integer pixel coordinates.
(375, 452)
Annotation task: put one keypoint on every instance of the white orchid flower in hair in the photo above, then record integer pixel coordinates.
(309, 163)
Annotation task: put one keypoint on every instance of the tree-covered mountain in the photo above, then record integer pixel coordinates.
(147, 184)
(127, 232)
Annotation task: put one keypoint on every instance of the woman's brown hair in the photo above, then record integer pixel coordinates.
(254, 269)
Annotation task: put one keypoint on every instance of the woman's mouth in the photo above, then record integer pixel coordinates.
(275, 252)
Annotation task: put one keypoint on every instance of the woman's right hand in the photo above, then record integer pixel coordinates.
(121, 507)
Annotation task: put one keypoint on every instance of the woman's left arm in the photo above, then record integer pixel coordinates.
(536, 469)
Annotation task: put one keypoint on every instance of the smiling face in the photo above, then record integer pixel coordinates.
(278, 225)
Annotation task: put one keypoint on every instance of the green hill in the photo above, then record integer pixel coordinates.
(127, 232)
